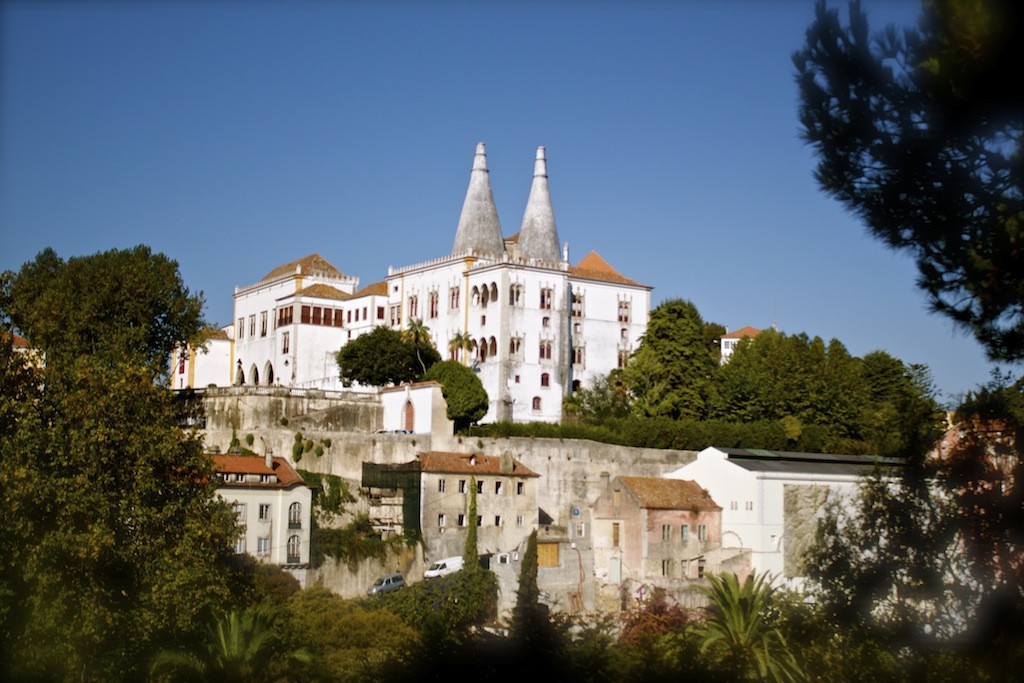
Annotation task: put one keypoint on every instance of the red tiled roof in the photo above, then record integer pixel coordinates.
(593, 267)
(747, 331)
(314, 264)
(377, 288)
(322, 291)
(669, 494)
(254, 464)
(470, 463)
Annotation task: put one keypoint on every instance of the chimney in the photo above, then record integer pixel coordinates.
(506, 463)
(604, 479)
(268, 458)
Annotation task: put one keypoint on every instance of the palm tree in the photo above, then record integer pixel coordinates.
(418, 335)
(739, 632)
(460, 343)
(239, 648)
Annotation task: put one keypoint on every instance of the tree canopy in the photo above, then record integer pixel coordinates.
(383, 357)
(124, 306)
(462, 390)
(919, 133)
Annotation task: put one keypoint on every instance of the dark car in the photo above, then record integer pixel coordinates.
(387, 584)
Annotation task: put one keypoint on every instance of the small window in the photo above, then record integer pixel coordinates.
(545, 380)
(440, 485)
(263, 324)
(615, 534)
(462, 485)
(294, 545)
(666, 532)
(497, 520)
(498, 487)
(536, 402)
(479, 520)
(700, 568)
(520, 521)
(295, 516)
(285, 342)
(264, 512)
(240, 545)
(684, 533)
(462, 520)
(239, 509)
(666, 567)
(520, 488)
(263, 546)
(702, 532)
(480, 486)
(441, 520)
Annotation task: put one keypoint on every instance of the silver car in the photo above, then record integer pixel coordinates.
(388, 583)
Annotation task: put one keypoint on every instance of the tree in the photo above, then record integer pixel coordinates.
(669, 374)
(470, 553)
(419, 336)
(531, 626)
(606, 399)
(461, 343)
(462, 390)
(382, 357)
(739, 630)
(919, 135)
(113, 541)
(120, 305)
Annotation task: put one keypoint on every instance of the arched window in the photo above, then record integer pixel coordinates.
(545, 380)
(536, 402)
(482, 346)
(268, 372)
(295, 516)
(493, 347)
(409, 415)
(254, 375)
(485, 296)
(294, 548)
(475, 294)
(239, 374)
(494, 292)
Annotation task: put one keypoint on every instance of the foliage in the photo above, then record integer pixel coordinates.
(353, 544)
(123, 306)
(530, 626)
(461, 343)
(330, 495)
(607, 398)
(740, 633)
(670, 373)
(113, 539)
(419, 336)
(241, 646)
(919, 134)
(462, 390)
(349, 642)
(382, 357)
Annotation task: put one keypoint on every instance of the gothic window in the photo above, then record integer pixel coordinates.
(515, 295)
(515, 346)
(577, 305)
(547, 296)
(578, 356)
(414, 307)
(492, 347)
(536, 402)
(453, 297)
(494, 292)
(624, 311)
(545, 349)
(623, 358)
(432, 304)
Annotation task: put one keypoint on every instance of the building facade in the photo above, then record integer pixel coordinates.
(506, 502)
(531, 324)
(274, 506)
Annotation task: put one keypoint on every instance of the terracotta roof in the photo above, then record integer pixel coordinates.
(216, 333)
(19, 342)
(593, 267)
(512, 238)
(669, 494)
(747, 331)
(322, 291)
(254, 464)
(377, 288)
(314, 264)
(470, 463)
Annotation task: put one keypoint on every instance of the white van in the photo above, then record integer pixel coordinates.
(448, 565)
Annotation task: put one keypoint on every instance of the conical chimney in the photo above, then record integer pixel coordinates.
(479, 230)
(538, 238)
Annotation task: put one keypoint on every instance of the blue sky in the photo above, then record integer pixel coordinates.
(237, 136)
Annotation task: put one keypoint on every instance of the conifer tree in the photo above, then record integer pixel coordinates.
(470, 556)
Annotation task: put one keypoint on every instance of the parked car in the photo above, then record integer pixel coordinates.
(448, 565)
(388, 583)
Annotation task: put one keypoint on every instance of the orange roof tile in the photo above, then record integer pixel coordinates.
(669, 494)
(322, 291)
(377, 288)
(747, 331)
(593, 267)
(254, 464)
(314, 264)
(470, 463)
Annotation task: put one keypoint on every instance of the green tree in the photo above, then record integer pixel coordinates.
(124, 306)
(382, 357)
(113, 540)
(670, 373)
(419, 336)
(606, 399)
(740, 634)
(919, 134)
(470, 553)
(348, 641)
(462, 390)
(529, 617)
(461, 343)
(240, 647)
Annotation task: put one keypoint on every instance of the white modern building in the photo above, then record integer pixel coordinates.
(274, 506)
(534, 326)
(771, 500)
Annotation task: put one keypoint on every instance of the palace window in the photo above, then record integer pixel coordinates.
(536, 402)
(578, 356)
(623, 358)
(498, 487)
(380, 313)
(263, 324)
(462, 520)
(432, 304)
(515, 294)
(666, 567)
(284, 316)
(547, 296)
(414, 307)
(441, 519)
(545, 349)
(252, 325)
(396, 315)
(515, 346)
(520, 488)
(624, 311)
(545, 379)
(304, 315)
(317, 311)
(453, 297)
(577, 305)
(285, 339)
(462, 485)
(240, 328)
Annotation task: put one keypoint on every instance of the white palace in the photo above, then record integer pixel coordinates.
(538, 327)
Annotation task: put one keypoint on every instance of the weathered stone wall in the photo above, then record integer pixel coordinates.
(248, 408)
(352, 582)
(802, 505)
